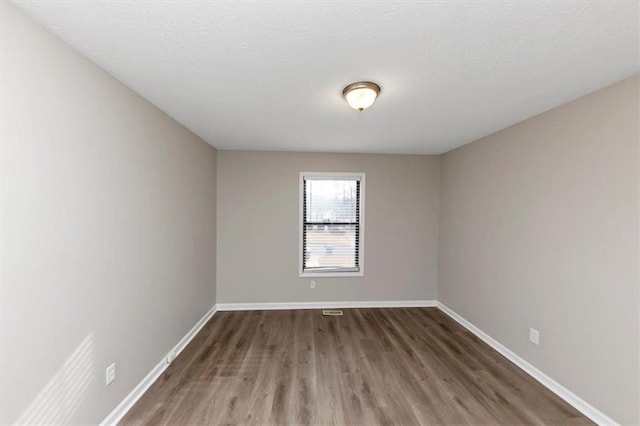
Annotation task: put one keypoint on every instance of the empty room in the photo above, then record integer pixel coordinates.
(320, 212)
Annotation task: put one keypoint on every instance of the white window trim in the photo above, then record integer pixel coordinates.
(331, 176)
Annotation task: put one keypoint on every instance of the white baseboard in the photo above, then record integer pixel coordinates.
(326, 305)
(572, 399)
(118, 413)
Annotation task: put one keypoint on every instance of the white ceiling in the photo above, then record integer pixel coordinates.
(269, 75)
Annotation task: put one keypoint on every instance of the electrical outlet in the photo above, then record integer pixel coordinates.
(110, 374)
(534, 336)
(313, 284)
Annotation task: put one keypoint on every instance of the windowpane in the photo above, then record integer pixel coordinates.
(331, 224)
(331, 201)
(330, 247)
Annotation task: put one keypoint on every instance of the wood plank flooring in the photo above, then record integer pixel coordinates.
(371, 366)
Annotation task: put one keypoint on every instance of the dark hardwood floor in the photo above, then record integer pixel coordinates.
(370, 366)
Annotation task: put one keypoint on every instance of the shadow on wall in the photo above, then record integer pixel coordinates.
(58, 401)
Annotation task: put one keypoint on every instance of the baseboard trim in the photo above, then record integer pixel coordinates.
(118, 413)
(572, 399)
(326, 305)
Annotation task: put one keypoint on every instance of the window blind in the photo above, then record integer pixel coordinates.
(331, 225)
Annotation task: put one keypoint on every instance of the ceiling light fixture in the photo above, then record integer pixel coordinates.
(361, 95)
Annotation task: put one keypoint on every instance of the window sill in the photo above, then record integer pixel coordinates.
(331, 274)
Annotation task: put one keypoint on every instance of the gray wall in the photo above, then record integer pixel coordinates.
(108, 231)
(539, 228)
(258, 227)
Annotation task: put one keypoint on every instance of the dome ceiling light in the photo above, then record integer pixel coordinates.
(361, 95)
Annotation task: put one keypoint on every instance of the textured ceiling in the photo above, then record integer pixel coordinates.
(269, 75)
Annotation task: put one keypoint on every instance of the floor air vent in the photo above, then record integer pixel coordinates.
(332, 312)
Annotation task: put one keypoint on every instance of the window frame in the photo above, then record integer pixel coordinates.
(331, 176)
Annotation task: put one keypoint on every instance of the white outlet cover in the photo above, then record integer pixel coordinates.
(534, 336)
(110, 374)
(313, 284)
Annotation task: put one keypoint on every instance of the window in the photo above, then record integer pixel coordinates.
(331, 224)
